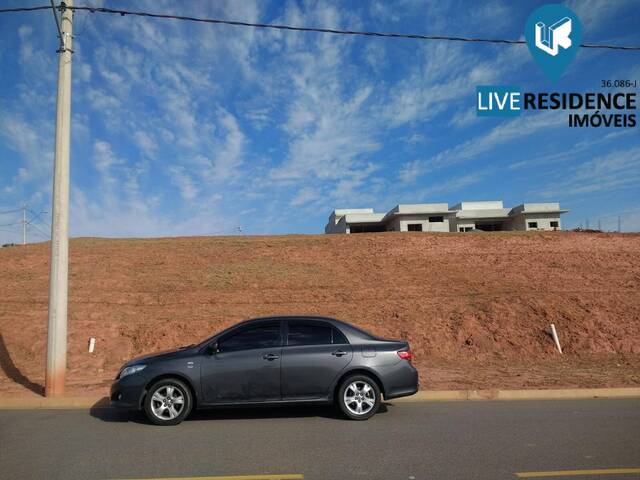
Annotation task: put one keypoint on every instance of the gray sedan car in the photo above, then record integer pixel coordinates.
(275, 360)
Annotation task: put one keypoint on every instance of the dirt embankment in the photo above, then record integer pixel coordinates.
(476, 308)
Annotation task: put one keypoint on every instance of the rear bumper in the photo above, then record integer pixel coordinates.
(400, 380)
(402, 393)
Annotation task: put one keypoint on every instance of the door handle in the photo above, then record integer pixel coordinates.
(271, 356)
(338, 353)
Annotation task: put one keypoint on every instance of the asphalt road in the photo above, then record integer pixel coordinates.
(452, 440)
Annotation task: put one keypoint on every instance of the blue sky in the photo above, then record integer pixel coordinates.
(188, 129)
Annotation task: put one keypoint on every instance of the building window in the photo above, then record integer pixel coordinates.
(438, 219)
(554, 224)
(461, 229)
(533, 224)
(414, 227)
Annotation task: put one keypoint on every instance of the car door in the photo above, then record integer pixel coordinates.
(244, 365)
(313, 356)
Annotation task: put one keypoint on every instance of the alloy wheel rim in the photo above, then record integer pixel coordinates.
(167, 402)
(359, 397)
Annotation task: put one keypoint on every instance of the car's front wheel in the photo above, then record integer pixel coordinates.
(359, 397)
(168, 402)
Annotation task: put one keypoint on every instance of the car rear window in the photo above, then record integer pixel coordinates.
(304, 334)
(314, 334)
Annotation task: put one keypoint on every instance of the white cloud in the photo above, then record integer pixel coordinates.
(616, 170)
(596, 15)
(304, 195)
(444, 76)
(518, 128)
(145, 143)
(24, 32)
(184, 182)
(84, 72)
(30, 142)
(100, 100)
(229, 146)
(104, 162)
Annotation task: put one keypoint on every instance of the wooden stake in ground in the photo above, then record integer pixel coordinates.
(555, 337)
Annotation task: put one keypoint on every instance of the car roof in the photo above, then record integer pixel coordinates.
(350, 330)
(354, 334)
(290, 317)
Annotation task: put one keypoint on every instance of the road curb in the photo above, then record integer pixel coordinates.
(80, 403)
(550, 394)
(68, 403)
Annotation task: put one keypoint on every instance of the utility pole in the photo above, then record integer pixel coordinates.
(619, 224)
(58, 279)
(24, 223)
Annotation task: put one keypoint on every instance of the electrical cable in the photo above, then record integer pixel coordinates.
(309, 29)
(36, 216)
(38, 230)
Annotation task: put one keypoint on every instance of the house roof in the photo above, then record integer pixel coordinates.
(486, 213)
(537, 208)
(419, 209)
(363, 217)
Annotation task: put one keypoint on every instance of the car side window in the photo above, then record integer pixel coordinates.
(309, 334)
(338, 337)
(263, 336)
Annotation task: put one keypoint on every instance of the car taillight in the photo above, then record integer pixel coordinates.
(405, 354)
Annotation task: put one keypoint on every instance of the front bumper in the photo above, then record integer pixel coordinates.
(129, 391)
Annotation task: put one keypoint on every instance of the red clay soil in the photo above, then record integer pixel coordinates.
(475, 307)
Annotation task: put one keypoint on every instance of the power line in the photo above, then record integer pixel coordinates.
(11, 211)
(37, 230)
(24, 9)
(329, 30)
(37, 215)
(411, 36)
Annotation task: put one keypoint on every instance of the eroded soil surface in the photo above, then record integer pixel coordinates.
(476, 308)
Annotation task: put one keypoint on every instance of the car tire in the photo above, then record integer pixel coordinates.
(168, 402)
(359, 397)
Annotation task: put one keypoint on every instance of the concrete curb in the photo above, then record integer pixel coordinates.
(83, 403)
(62, 403)
(551, 394)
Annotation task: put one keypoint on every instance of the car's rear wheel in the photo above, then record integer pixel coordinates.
(168, 402)
(359, 397)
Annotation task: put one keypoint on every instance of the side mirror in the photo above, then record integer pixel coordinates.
(211, 349)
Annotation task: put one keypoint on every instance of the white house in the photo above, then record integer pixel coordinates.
(438, 217)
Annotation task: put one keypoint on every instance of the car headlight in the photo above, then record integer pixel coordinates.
(131, 370)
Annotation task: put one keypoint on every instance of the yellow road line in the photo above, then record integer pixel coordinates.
(574, 473)
(282, 476)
